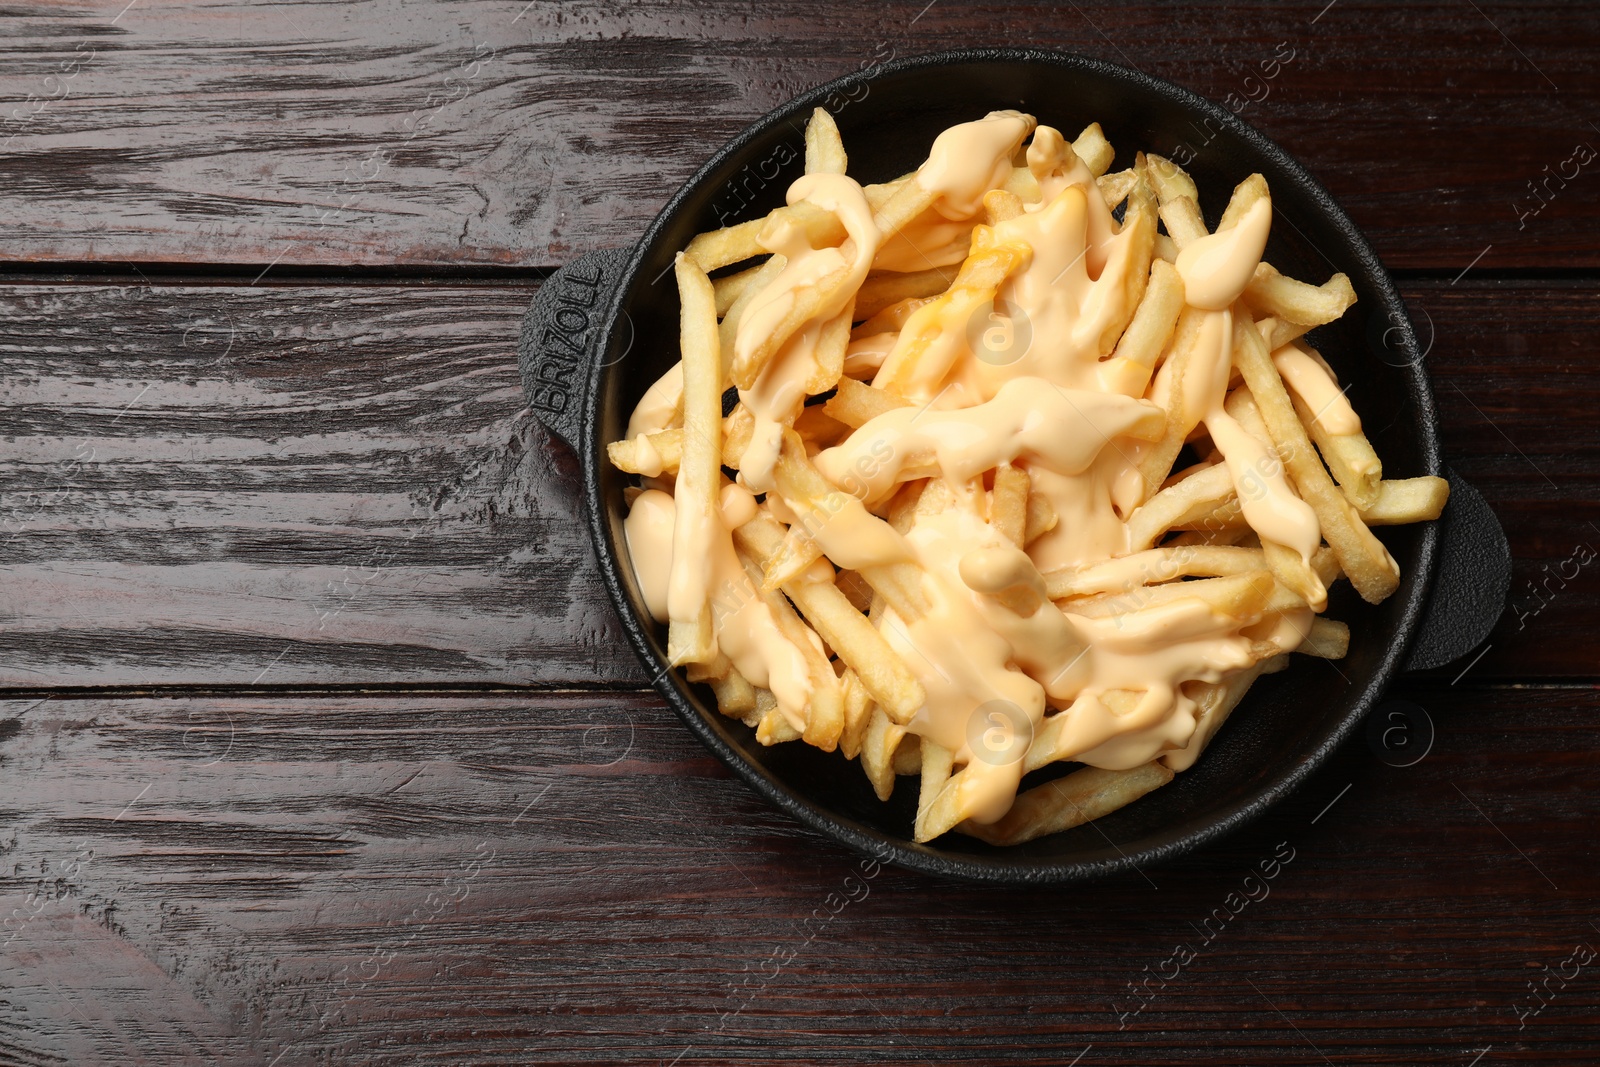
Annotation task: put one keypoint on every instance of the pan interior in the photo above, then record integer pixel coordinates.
(887, 124)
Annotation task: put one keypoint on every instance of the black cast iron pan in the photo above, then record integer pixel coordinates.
(605, 326)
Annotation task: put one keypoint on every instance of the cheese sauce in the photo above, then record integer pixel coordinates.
(779, 392)
(1044, 402)
(746, 631)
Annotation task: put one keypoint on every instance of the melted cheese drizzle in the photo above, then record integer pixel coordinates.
(1215, 270)
(965, 162)
(1328, 405)
(746, 631)
(779, 392)
(1051, 408)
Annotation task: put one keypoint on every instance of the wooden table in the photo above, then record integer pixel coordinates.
(320, 740)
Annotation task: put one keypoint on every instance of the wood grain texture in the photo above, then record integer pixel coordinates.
(373, 781)
(338, 486)
(250, 485)
(513, 132)
(571, 879)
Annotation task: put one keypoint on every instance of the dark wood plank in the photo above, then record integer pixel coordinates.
(302, 485)
(515, 132)
(1516, 383)
(253, 485)
(570, 878)
(341, 485)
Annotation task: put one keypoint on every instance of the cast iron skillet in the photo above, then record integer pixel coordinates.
(605, 326)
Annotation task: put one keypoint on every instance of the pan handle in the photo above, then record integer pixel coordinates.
(1470, 580)
(560, 334)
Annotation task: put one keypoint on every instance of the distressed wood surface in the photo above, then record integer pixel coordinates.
(340, 485)
(251, 485)
(570, 879)
(320, 744)
(525, 131)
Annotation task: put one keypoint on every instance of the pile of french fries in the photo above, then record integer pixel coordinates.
(1188, 532)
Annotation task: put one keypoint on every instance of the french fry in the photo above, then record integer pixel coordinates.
(1139, 231)
(864, 355)
(905, 504)
(849, 633)
(1328, 639)
(878, 750)
(1221, 536)
(648, 454)
(1151, 567)
(885, 289)
(893, 318)
(728, 330)
(765, 702)
(797, 553)
(716, 249)
(737, 430)
(1333, 426)
(1287, 564)
(824, 149)
(1183, 220)
(1296, 573)
(808, 303)
(855, 590)
(1080, 797)
(1215, 702)
(1279, 332)
(856, 404)
(1243, 596)
(816, 427)
(1114, 188)
(1196, 497)
(1407, 500)
(976, 283)
(934, 817)
(655, 454)
(690, 638)
(857, 714)
(1349, 457)
(1157, 459)
(905, 204)
(825, 709)
(1041, 518)
(1052, 740)
(830, 351)
(731, 286)
(1008, 503)
(771, 725)
(936, 496)
(1001, 205)
(1092, 147)
(1362, 556)
(717, 669)
(879, 195)
(908, 755)
(1245, 195)
(1226, 515)
(1270, 293)
(1326, 563)
(736, 697)
(1169, 180)
(848, 532)
(1149, 332)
